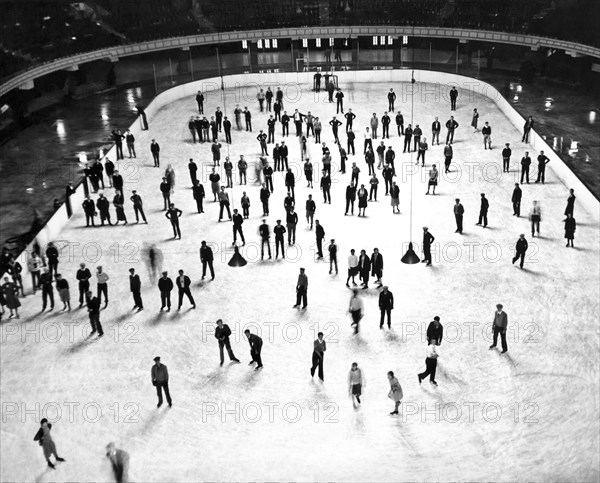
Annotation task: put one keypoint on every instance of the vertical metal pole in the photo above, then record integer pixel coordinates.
(191, 64)
(170, 70)
(478, 62)
(357, 53)
(155, 83)
(429, 55)
(292, 49)
(457, 45)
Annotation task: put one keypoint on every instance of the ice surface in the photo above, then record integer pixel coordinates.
(534, 411)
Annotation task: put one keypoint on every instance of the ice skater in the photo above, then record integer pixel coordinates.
(535, 216)
(222, 333)
(47, 443)
(395, 393)
(160, 380)
(430, 365)
(119, 460)
(93, 307)
(356, 308)
(255, 349)
(386, 305)
(183, 283)
(319, 348)
(433, 179)
(435, 331)
(520, 249)
(499, 327)
(356, 383)
(302, 290)
(428, 239)
(352, 267)
(570, 227)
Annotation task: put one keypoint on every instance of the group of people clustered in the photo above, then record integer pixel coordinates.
(44, 270)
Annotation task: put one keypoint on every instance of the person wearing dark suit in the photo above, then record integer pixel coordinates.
(52, 256)
(160, 380)
(525, 164)
(364, 268)
(271, 130)
(435, 332)
(283, 154)
(483, 210)
(385, 125)
(173, 214)
(350, 142)
(527, 129)
(350, 116)
(400, 123)
(165, 286)
(135, 286)
(262, 140)
(138, 206)
(93, 308)
(238, 220)
(291, 223)
(453, 97)
(265, 235)
(377, 266)
(302, 290)
(570, 203)
(451, 125)
(290, 182)
(248, 119)
(118, 139)
(130, 140)
(255, 349)
(264, 199)
(183, 285)
(350, 197)
(516, 200)
(408, 132)
(47, 289)
(285, 124)
(542, 162)
(520, 249)
(89, 208)
(386, 305)
(103, 206)
(391, 100)
(200, 102)
(499, 326)
(335, 124)
(199, 194)
(279, 232)
(339, 96)
(320, 235)
(222, 334)
(570, 227)
(506, 153)
(155, 150)
(207, 257)
(83, 276)
(326, 187)
(459, 211)
(428, 239)
(268, 173)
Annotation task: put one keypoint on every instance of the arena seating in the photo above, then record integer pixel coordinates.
(37, 31)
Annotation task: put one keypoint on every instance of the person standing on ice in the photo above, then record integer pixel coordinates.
(46, 442)
(435, 331)
(356, 382)
(119, 459)
(222, 333)
(255, 349)
(160, 380)
(319, 348)
(395, 393)
(499, 325)
(355, 307)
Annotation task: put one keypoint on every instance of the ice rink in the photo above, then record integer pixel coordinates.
(531, 414)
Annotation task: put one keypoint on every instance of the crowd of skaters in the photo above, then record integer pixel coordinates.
(44, 270)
